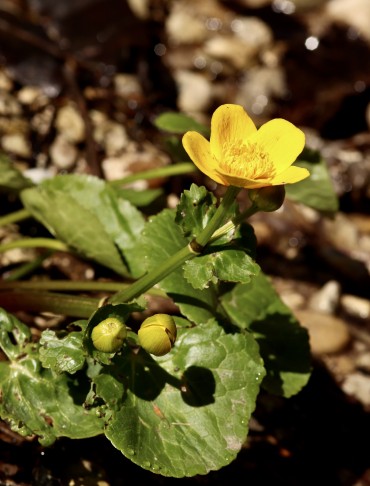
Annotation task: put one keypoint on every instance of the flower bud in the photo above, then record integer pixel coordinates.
(157, 334)
(268, 198)
(108, 336)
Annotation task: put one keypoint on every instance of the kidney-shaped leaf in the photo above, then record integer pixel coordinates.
(188, 412)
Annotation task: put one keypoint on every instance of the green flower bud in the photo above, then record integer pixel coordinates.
(108, 336)
(268, 198)
(157, 334)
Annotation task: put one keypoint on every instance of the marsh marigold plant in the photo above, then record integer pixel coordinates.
(240, 155)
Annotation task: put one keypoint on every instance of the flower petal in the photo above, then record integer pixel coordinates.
(290, 176)
(229, 123)
(243, 182)
(282, 140)
(199, 150)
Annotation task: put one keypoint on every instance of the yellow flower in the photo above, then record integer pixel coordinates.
(240, 155)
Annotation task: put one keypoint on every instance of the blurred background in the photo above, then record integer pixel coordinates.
(81, 83)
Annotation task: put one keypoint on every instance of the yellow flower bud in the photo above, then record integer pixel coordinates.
(108, 336)
(157, 334)
(267, 199)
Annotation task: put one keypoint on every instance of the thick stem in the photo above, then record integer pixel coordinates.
(180, 257)
(68, 305)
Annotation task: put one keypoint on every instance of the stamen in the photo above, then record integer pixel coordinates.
(248, 160)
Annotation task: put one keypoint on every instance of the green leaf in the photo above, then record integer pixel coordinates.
(195, 209)
(62, 353)
(284, 344)
(11, 179)
(178, 123)
(34, 400)
(227, 264)
(84, 212)
(188, 412)
(317, 190)
(139, 198)
(162, 238)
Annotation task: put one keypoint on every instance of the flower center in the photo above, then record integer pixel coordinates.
(246, 160)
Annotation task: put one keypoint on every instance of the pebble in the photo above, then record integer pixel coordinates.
(110, 135)
(70, 123)
(355, 13)
(32, 96)
(6, 83)
(141, 8)
(328, 334)
(17, 144)
(127, 85)
(252, 31)
(355, 306)
(327, 298)
(357, 385)
(230, 49)
(9, 106)
(195, 92)
(183, 27)
(63, 153)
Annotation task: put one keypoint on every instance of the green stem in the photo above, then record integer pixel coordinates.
(180, 257)
(70, 286)
(26, 268)
(14, 217)
(68, 305)
(169, 170)
(230, 225)
(49, 243)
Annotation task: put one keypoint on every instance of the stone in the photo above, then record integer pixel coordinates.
(354, 13)
(127, 85)
(357, 385)
(231, 50)
(326, 299)
(328, 334)
(354, 306)
(253, 32)
(195, 92)
(17, 144)
(70, 124)
(183, 27)
(63, 154)
(32, 96)
(112, 136)
(9, 105)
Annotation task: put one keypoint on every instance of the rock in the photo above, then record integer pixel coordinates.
(357, 386)
(111, 135)
(17, 144)
(63, 154)
(195, 92)
(135, 159)
(32, 96)
(127, 86)
(39, 174)
(140, 8)
(6, 84)
(356, 306)
(230, 49)
(354, 13)
(253, 32)
(328, 334)
(9, 106)
(41, 121)
(259, 87)
(327, 298)
(183, 27)
(70, 124)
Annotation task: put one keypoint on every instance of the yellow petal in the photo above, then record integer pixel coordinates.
(282, 140)
(198, 149)
(236, 181)
(229, 123)
(290, 176)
